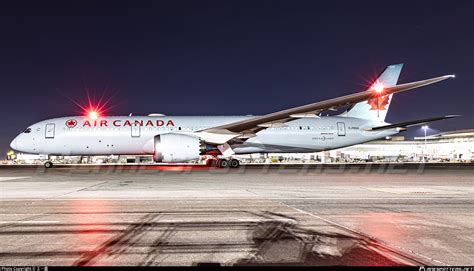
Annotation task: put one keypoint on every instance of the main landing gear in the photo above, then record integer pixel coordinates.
(234, 163)
(223, 163)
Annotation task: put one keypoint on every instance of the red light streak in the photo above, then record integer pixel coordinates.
(94, 108)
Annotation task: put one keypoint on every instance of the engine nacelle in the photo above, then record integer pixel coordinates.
(177, 148)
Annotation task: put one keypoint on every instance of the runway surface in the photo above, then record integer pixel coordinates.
(179, 215)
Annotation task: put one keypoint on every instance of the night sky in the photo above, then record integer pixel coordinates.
(231, 57)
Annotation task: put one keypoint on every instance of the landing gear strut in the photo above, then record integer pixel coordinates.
(48, 164)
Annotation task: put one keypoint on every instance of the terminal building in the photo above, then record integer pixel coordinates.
(454, 146)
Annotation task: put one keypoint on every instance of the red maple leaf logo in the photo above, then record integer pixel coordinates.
(71, 123)
(379, 103)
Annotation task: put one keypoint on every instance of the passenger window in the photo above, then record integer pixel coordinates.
(27, 131)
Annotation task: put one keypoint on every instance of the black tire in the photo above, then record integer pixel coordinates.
(48, 164)
(222, 163)
(234, 163)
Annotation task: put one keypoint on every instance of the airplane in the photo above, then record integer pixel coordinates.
(173, 139)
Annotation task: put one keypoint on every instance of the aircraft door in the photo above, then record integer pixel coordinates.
(135, 130)
(49, 131)
(341, 129)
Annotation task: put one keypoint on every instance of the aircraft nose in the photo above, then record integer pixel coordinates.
(13, 144)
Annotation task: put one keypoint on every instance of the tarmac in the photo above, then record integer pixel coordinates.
(366, 214)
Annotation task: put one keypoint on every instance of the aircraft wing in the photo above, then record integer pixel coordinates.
(404, 125)
(248, 127)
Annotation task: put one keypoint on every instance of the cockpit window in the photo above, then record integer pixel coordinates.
(27, 131)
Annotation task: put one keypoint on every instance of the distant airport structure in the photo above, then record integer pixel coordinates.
(453, 146)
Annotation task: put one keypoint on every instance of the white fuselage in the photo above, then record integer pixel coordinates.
(133, 135)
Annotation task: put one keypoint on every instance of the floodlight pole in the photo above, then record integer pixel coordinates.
(425, 127)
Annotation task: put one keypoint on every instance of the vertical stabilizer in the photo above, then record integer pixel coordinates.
(377, 108)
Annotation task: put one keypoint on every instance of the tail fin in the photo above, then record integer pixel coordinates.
(377, 108)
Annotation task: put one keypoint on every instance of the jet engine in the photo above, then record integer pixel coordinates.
(177, 148)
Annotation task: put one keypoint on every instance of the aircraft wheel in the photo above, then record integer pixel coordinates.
(234, 163)
(48, 164)
(222, 163)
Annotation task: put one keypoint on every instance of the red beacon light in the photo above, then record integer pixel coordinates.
(378, 87)
(93, 110)
(93, 115)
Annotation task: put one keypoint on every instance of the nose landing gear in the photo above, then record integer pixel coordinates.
(48, 164)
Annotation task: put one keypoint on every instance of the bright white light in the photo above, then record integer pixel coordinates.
(424, 127)
(378, 87)
(93, 115)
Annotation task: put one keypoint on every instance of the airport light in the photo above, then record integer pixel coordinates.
(10, 155)
(425, 127)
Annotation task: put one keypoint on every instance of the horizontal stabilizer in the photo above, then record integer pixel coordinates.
(403, 125)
